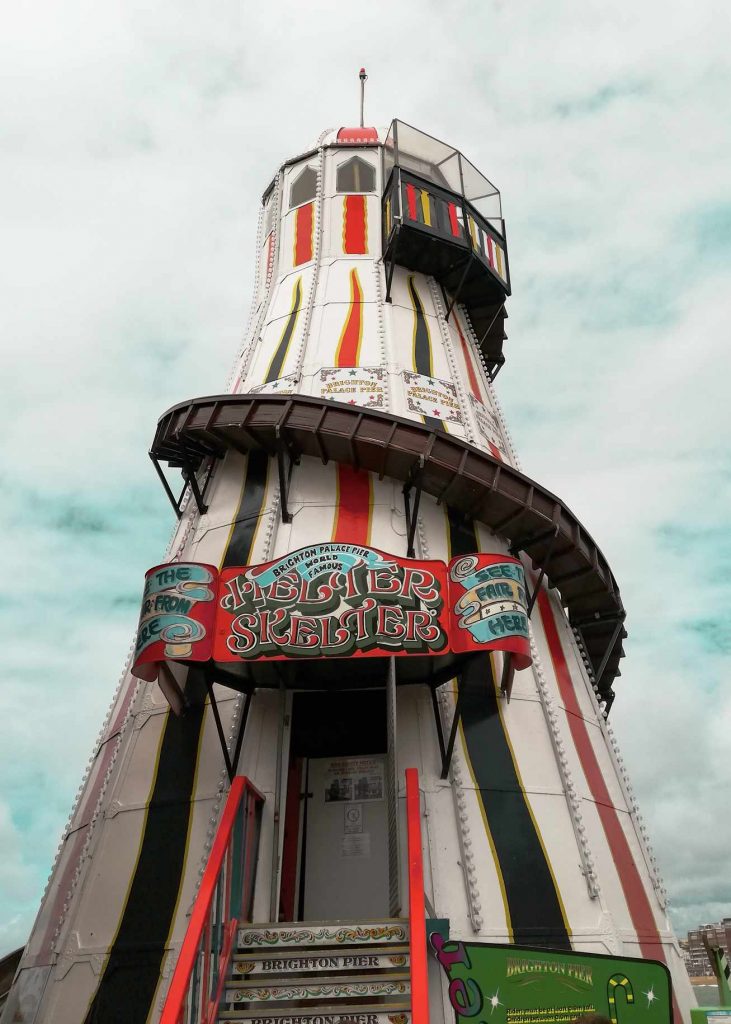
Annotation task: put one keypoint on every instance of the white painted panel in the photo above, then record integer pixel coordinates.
(346, 873)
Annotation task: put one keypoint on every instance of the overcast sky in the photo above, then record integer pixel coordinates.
(135, 142)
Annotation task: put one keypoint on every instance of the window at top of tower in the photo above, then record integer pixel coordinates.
(304, 187)
(356, 175)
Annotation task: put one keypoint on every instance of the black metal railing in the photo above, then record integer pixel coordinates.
(431, 230)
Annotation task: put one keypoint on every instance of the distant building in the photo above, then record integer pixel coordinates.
(685, 950)
(694, 952)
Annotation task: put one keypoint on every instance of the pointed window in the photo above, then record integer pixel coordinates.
(356, 175)
(304, 188)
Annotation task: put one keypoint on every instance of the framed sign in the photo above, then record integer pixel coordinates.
(524, 985)
(177, 616)
(332, 600)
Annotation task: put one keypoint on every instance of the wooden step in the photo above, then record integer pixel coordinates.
(271, 963)
(384, 1013)
(324, 989)
(322, 934)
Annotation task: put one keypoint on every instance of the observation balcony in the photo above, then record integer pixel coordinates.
(442, 217)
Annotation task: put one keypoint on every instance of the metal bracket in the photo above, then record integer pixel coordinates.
(438, 722)
(412, 515)
(520, 545)
(455, 300)
(483, 339)
(508, 676)
(284, 478)
(610, 647)
(176, 503)
(447, 756)
(601, 620)
(389, 271)
(242, 730)
(189, 477)
(189, 480)
(231, 763)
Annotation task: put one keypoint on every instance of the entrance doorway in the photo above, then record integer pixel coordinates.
(335, 860)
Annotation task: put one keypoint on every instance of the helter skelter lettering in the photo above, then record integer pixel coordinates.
(333, 600)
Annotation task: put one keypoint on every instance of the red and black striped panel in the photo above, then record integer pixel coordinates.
(630, 879)
(422, 353)
(533, 905)
(131, 975)
(274, 370)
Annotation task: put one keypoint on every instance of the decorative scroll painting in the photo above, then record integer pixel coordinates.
(429, 396)
(487, 424)
(355, 385)
(177, 616)
(280, 386)
(333, 600)
(489, 606)
(523, 985)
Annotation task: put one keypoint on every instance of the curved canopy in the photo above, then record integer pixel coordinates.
(511, 504)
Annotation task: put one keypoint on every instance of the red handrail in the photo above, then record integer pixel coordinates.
(417, 914)
(243, 804)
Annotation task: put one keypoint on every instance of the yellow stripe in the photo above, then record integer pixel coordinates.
(426, 207)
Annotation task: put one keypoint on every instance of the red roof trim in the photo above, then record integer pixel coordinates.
(357, 135)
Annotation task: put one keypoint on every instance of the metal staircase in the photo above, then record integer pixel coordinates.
(320, 973)
(326, 972)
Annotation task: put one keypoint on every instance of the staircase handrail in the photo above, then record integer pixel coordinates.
(200, 973)
(417, 914)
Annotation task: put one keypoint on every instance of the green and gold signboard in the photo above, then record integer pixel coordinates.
(497, 984)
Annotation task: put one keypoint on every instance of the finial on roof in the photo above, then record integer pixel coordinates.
(363, 77)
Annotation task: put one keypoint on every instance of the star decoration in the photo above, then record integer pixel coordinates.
(353, 373)
(494, 1001)
(435, 412)
(651, 997)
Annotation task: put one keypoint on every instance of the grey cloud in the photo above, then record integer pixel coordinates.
(134, 152)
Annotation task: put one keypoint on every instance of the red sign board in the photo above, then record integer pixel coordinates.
(488, 606)
(333, 600)
(177, 617)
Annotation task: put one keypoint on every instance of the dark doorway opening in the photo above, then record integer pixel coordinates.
(327, 725)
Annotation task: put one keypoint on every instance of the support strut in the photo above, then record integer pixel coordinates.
(219, 728)
(412, 514)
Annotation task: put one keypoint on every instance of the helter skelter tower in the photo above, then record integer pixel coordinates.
(362, 582)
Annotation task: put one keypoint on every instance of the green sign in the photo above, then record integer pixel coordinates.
(497, 984)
